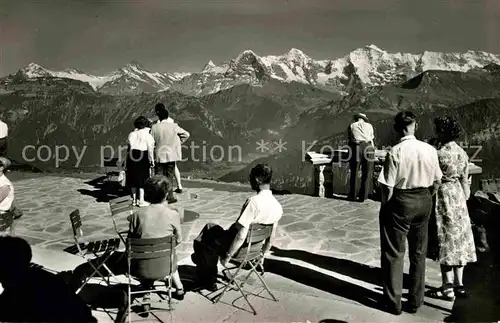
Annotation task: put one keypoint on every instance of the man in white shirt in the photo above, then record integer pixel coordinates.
(410, 177)
(362, 156)
(4, 133)
(214, 242)
(168, 137)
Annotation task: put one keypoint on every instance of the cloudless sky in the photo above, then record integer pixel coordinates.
(166, 35)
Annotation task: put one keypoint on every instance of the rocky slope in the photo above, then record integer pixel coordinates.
(473, 98)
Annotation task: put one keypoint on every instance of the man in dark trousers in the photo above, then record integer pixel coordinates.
(169, 138)
(410, 177)
(362, 156)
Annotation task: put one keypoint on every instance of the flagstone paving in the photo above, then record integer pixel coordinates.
(328, 234)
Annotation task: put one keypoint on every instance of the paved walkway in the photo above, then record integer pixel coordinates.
(325, 265)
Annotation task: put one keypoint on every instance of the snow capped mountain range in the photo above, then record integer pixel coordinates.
(367, 66)
(132, 78)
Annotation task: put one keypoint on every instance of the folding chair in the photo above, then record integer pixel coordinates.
(105, 247)
(120, 206)
(249, 255)
(150, 260)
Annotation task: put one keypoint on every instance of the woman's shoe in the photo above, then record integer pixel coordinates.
(460, 291)
(444, 292)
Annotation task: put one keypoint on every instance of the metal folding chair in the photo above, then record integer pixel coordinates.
(94, 248)
(149, 261)
(121, 206)
(250, 255)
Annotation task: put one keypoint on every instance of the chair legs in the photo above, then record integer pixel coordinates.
(97, 272)
(147, 292)
(233, 281)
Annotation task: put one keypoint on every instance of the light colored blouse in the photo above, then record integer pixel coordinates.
(141, 139)
(6, 203)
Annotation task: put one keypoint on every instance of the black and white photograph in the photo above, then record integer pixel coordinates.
(319, 161)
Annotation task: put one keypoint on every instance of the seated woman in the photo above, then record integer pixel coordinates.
(157, 220)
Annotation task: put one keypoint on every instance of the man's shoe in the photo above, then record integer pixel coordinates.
(172, 201)
(411, 309)
(392, 310)
(211, 287)
(178, 190)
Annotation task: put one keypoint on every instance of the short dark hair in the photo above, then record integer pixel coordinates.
(156, 188)
(161, 111)
(448, 128)
(403, 119)
(141, 122)
(262, 173)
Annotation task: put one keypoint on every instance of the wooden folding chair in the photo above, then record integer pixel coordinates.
(94, 248)
(250, 255)
(121, 206)
(150, 260)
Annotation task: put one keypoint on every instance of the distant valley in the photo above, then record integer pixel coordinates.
(291, 97)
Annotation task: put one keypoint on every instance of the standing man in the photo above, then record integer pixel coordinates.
(362, 155)
(4, 132)
(168, 137)
(410, 177)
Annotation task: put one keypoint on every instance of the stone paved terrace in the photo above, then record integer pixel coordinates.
(324, 267)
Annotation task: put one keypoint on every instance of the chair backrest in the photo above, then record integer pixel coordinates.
(76, 224)
(120, 206)
(254, 242)
(151, 258)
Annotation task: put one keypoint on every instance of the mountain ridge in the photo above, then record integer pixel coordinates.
(368, 66)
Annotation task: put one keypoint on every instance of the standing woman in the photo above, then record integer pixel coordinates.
(454, 231)
(140, 159)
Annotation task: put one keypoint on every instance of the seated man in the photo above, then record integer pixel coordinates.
(214, 242)
(32, 294)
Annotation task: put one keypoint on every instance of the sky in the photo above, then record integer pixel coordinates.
(182, 36)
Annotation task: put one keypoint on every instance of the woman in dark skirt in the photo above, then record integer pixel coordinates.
(140, 159)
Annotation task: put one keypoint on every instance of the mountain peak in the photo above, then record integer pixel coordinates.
(208, 66)
(296, 55)
(246, 54)
(134, 63)
(374, 47)
(35, 70)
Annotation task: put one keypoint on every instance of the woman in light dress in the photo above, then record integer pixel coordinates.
(455, 242)
(140, 159)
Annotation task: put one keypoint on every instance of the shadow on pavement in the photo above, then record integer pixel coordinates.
(105, 191)
(344, 267)
(335, 286)
(324, 282)
(331, 321)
